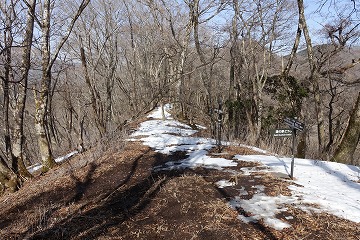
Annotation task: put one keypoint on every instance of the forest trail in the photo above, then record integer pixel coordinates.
(132, 191)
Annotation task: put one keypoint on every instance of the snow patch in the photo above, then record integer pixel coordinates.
(263, 207)
(320, 186)
(37, 166)
(332, 186)
(224, 183)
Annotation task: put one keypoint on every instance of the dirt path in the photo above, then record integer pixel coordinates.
(120, 196)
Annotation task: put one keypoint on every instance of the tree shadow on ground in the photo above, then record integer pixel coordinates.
(37, 209)
(344, 178)
(82, 185)
(106, 206)
(113, 208)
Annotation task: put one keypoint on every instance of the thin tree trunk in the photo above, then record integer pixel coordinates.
(234, 51)
(314, 78)
(204, 74)
(286, 70)
(8, 40)
(181, 64)
(234, 82)
(110, 84)
(302, 142)
(95, 97)
(18, 140)
(8, 180)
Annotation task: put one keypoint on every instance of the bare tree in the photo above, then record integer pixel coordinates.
(252, 56)
(14, 139)
(18, 141)
(207, 54)
(42, 94)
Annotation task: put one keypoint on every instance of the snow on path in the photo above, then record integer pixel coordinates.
(169, 136)
(331, 186)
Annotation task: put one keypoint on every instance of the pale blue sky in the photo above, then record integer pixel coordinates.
(317, 17)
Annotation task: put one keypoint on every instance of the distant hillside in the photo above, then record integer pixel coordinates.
(344, 57)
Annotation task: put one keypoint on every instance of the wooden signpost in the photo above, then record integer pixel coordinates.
(294, 125)
(219, 126)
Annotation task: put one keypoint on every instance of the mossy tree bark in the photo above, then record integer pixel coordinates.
(13, 171)
(345, 151)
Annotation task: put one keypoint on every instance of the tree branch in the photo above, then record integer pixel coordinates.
(83, 5)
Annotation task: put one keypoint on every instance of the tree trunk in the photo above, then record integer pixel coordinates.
(179, 78)
(40, 122)
(345, 151)
(18, 140)
(8, 180)
(42, 97)
(96, 102)
(234, 51)
(302, 142)
(314, 78)
(8, 40)
(15, 95)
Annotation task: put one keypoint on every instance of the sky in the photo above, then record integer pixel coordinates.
(321, 12)
(318, 13)
(319, 186)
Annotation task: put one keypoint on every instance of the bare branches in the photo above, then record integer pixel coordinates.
(32, 11)
(341, 69)
(343, 31)
(81, 8)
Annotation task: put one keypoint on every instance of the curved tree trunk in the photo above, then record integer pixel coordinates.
(345, 151)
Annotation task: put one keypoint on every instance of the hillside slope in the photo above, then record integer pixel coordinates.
(168, 182)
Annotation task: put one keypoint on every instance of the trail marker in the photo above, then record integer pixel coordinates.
(282, 132)
(294, 125)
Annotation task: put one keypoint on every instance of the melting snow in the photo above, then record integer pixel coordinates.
(331, 186)
(37, 166)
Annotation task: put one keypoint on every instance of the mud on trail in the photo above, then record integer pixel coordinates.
(117, 194)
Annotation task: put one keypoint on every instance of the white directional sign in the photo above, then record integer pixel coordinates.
(294, 124)
(282, 132)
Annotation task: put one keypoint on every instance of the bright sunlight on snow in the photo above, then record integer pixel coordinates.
(318, 186)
